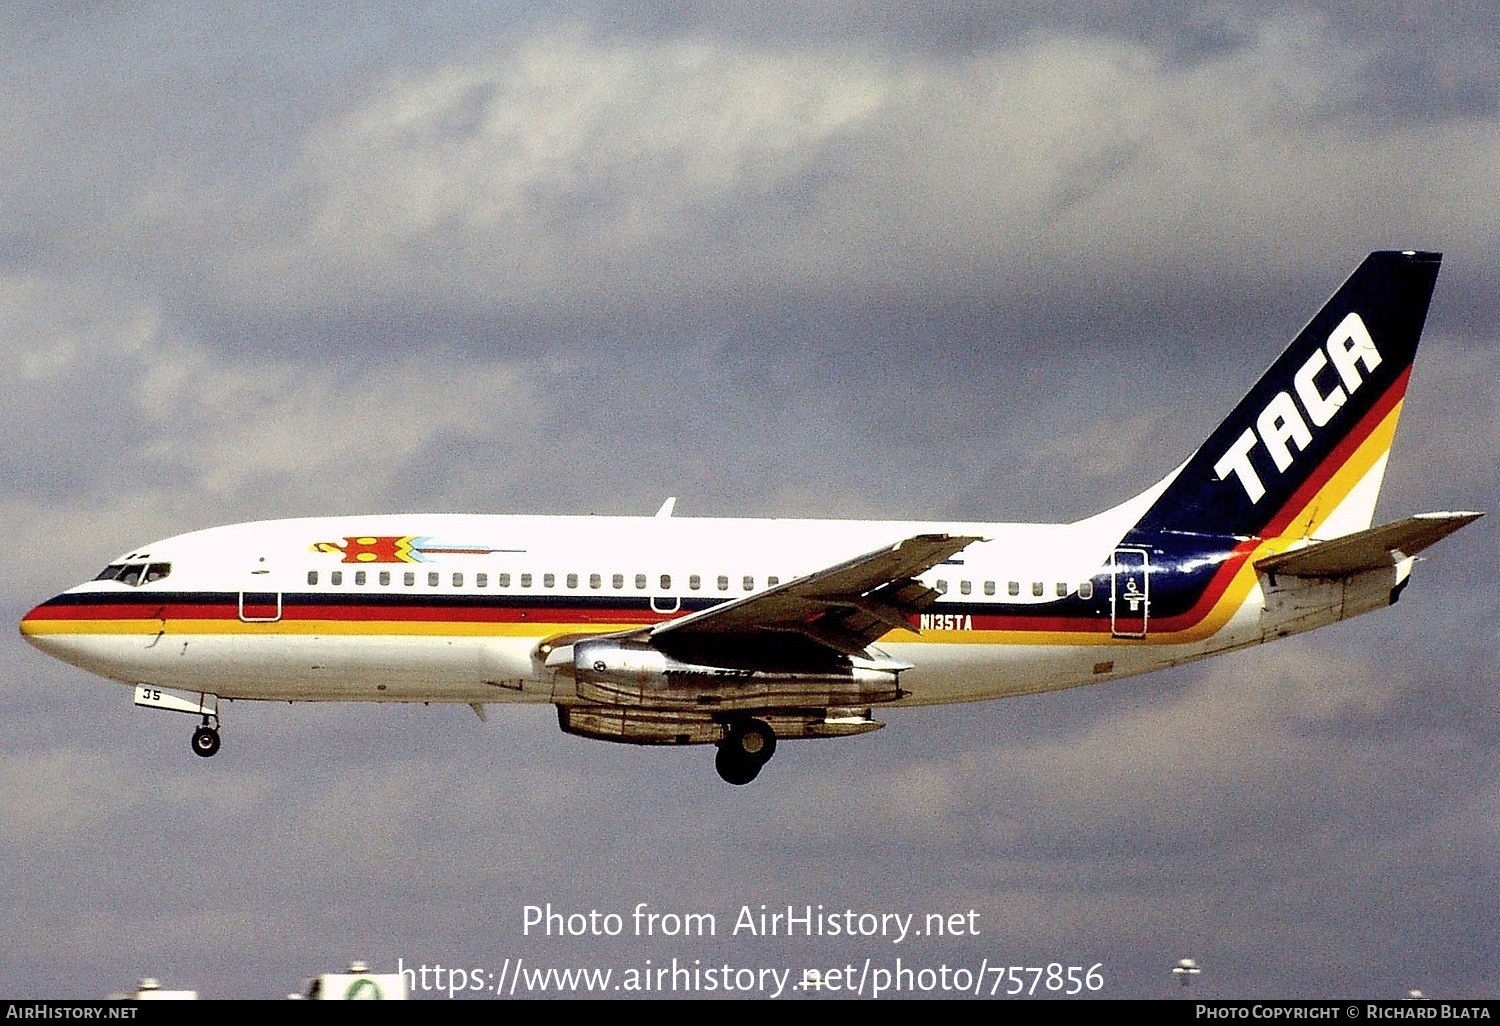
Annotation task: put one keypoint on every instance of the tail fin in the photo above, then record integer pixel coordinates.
(1305, 451)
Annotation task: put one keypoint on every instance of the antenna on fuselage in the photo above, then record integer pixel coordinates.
(666, 508)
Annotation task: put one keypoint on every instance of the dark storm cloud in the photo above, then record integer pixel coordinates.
(733, 164)
(507, 183)
(1430, 64)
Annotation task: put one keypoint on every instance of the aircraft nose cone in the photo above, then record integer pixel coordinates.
(31, 623)
(40, 628)
(81, 635)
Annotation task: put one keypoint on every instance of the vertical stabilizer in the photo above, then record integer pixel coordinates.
(1304, 452)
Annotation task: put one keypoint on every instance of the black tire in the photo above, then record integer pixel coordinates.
(734, 768)
(205, 741)
(752, 740)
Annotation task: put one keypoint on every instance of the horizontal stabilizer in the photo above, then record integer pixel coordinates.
(1372, 549)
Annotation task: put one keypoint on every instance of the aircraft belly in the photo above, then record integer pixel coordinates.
(978, 672)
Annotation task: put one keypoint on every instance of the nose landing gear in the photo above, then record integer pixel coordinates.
(196, 703)
(205, 740)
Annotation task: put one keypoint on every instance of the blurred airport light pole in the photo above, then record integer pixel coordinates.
(1186, 970)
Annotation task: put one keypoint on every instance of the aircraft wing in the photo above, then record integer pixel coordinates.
(1371, 549)
(845, 607)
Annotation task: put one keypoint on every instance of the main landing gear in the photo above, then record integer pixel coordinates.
(747, 746)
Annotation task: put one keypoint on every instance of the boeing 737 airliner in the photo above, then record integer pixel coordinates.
(739, 633)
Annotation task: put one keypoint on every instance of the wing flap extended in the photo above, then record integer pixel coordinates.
(1371, 549)
(845, 607)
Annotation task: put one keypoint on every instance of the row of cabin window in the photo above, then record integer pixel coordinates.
(1013, 588)
(695, 582)
(502, 580)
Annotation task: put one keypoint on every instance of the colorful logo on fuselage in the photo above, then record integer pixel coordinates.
(399, 549)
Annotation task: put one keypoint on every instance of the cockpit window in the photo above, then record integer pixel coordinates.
(135, 574)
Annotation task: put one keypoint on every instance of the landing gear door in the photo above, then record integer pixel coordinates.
(1130, 595)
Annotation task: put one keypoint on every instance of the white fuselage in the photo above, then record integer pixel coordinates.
(296, 610)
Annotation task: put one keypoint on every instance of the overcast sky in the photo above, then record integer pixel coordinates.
(1004, 261)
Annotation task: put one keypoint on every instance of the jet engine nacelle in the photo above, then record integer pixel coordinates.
(637, 673)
